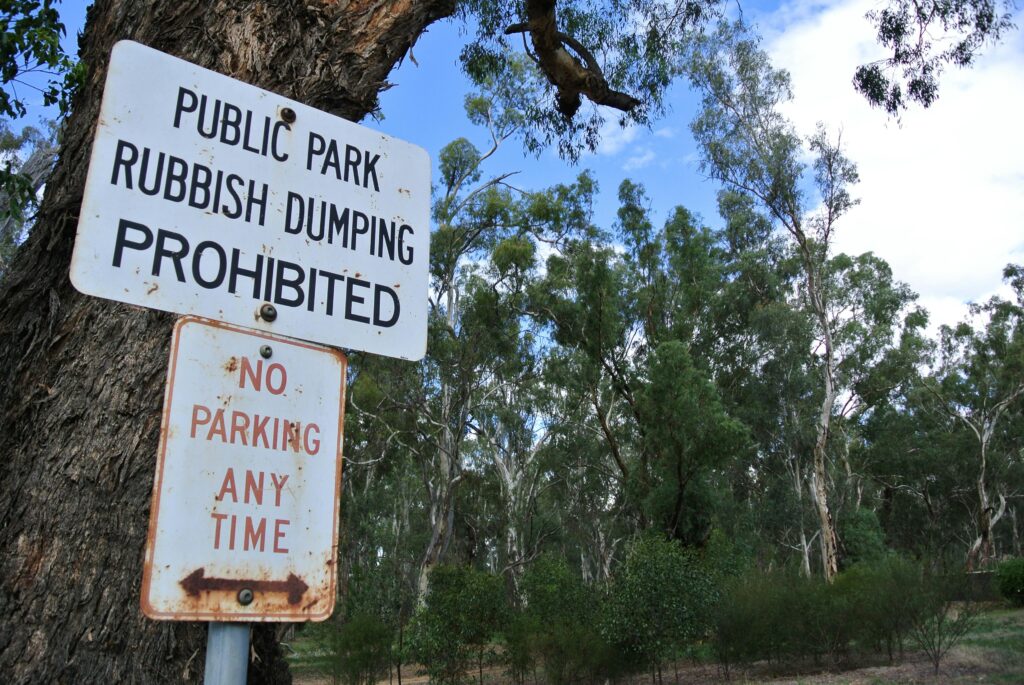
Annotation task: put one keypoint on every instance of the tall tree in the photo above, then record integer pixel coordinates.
(979, 383)
(749, 145)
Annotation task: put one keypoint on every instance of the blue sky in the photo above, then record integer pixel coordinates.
(942, 191)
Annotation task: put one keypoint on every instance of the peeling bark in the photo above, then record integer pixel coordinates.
(81, 379)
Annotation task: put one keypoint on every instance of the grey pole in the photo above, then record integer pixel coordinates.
(227, 654)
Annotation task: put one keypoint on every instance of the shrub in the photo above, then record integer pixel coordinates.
(1010, 579)
(357, 651)
(462, 612)
(660, 600)
(565, 613)
(883, 599)
(938, 625)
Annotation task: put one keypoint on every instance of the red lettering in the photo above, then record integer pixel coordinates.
(216, 533)
(252, 486)
(312, 446)
(283, 379)
(278, 534)
(259, 430)
(196, 421)
(228, 486)
(239, 426)
(255, 376)
(218, 427)
(278, 486)
(254, 536)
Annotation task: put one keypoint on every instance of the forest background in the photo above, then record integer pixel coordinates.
(616, 383)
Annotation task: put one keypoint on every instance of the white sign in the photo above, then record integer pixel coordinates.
(212, 197)
(244, 524)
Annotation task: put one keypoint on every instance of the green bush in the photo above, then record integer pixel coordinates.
(660, 600)
(355, 652)
(884, 598)
(463, 612)
(565, 615)
(1010, 579)
(784, 618)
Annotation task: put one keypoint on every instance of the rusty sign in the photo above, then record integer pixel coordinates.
(209, 196)
(244, 521)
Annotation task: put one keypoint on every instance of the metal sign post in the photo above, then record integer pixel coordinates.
(227, 654)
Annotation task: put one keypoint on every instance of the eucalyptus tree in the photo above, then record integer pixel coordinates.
(978, 382)
(853, 304)
(625, 322)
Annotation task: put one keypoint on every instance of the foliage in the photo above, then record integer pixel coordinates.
(660, 599)
(629, 47)
(1010, 579)
(30, 33)
(942, 621)
(565, 614)
(924, 36)
(863, 537)
(357, 651)
(785, 618)
(464, 609)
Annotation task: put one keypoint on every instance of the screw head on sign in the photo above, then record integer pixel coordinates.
(245, 596)
(266, 351)
(268, 312)
(288, 115)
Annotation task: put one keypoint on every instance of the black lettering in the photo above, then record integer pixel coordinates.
(230, 183)
(181, 107)
(289, 227)
(275, 153)
(197, 257)
(213, 119)
(351, 297)
(405, 253)
(176, 256)
(258, 200)
(200, 184)
(332, 278)
(360, 226)
(230, 121)
(255, 274)
(122, 238)
(339, 225)
(316, 146)
(177, 172)
(352, 159)
(120, 160)
(146, 172)
(293, 283)
(379, 290)
(370, 170)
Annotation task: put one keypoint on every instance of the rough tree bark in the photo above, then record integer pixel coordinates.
(81, 379)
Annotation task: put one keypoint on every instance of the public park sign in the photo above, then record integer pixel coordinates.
(212, 197)
(244, 525)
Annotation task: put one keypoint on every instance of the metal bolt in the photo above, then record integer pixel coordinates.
(268, 312)
(245, 596)
(288, 115)
(266, 351)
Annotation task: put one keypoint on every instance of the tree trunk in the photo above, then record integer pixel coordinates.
(81, 379)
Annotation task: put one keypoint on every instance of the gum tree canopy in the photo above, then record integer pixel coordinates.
(81, 379)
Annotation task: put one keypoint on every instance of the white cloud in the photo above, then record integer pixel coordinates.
(665, 132)
(942, 194)
(639, 160)
(615, 138)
